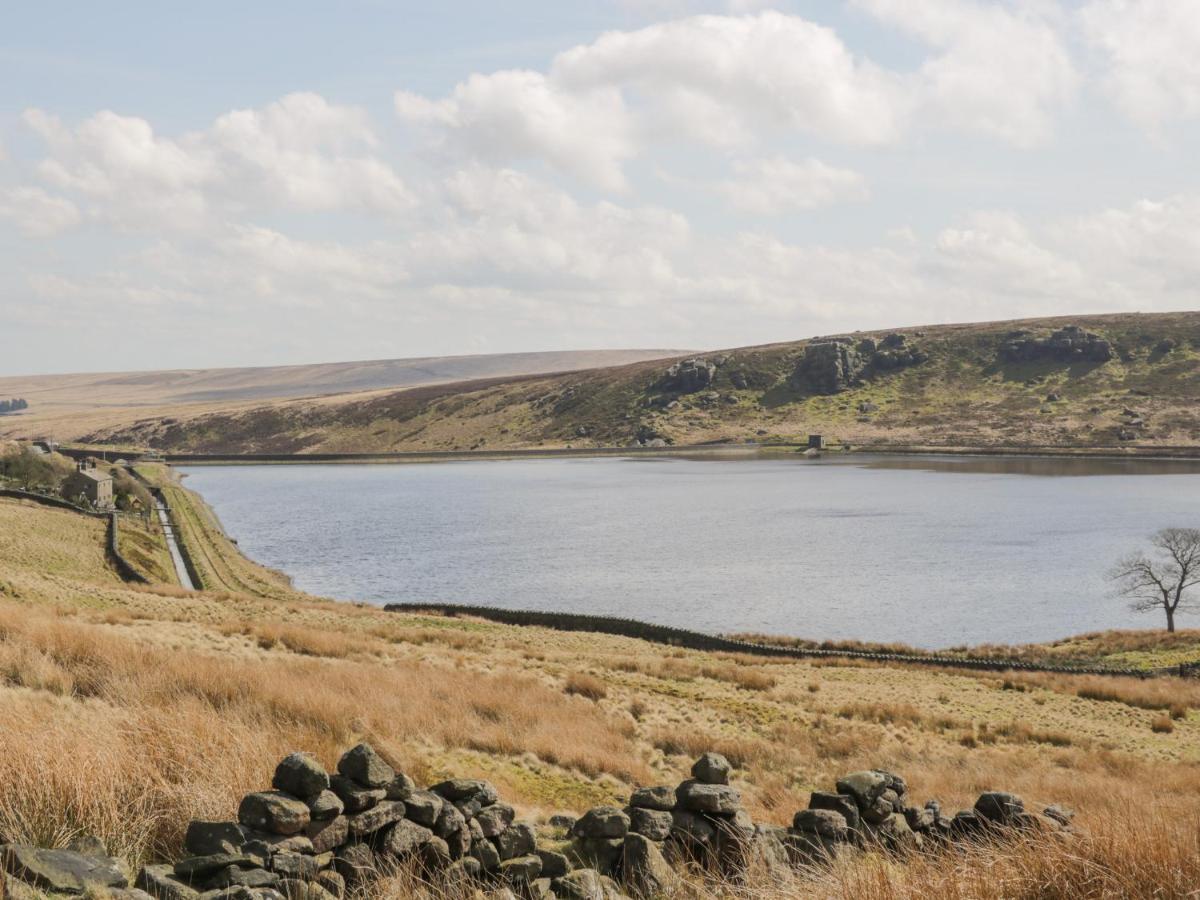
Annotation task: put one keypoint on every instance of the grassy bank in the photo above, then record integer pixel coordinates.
(186, 700)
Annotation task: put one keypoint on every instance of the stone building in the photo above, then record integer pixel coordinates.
(93, 485)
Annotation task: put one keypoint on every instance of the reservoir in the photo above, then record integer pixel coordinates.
(930, 551)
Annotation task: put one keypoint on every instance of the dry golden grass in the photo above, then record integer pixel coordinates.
(186, 700)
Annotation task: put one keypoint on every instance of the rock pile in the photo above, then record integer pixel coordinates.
(322, 836)
(1068, 344)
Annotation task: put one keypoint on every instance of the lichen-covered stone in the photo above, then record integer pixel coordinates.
(301, 775)
(363, 765)
(274, 812)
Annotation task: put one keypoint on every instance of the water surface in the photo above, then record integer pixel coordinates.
(928, 551)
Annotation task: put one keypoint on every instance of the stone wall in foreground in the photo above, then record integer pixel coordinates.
(323, 836)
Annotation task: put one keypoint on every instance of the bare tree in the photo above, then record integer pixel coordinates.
(1161, 582)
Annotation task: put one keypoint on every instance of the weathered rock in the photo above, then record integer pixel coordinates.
(601, 854)
(295, 889)
(273, 811)
(602, 822)
(711, 768)
(693, 832)
(199, 868)
(328, 835)
(967, 823)
(827, 823)
(456, 789)
(486, 854)
(326, 805)
(999, 807)
(355, 863)
(564, 822)
(895, 834)
(401, 787)
(920, 820)
(423, 807)
(160, 881)
(520, 870)
(714, 799)
(840, 803)
(301, 775)
(1069, 344)
(406, 837)
(333, 883)
(451, 827)
(541, 888)
(495, 818)
(661, 797)
(586, 884)
(554, 864)
(644, 869)
(296, 865)
(651, 823)
(435, 854)
(516, 840)
(366, 767)
(828, 366)
(62, 870)
(688, 376)
(355, 798)
(864, 787)
(369, 821)
(263, 843)
(1059, 814)
(240, 876)
(207, 838)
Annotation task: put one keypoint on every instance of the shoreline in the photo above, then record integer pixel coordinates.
(1166, 453)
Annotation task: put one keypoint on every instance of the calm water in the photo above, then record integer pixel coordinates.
(933, 552)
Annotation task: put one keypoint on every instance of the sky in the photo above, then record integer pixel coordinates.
(220, 184)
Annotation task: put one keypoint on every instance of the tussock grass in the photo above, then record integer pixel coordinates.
(187, 700)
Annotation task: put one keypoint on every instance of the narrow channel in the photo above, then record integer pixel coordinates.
(181, 572)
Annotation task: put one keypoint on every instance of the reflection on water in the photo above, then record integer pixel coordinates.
(932, 551)
(1047, 466)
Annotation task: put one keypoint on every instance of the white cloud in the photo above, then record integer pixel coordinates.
(1003, 68)
(719, 79)
(520, 114)
(1153, 55)
(300, 153)
(38, 214)
(723, 78)
(776, 185)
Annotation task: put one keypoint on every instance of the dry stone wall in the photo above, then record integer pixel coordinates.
(317, 835)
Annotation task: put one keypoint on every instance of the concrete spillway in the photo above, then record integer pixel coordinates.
(181, 570)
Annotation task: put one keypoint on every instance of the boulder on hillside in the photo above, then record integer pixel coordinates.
(688, 376)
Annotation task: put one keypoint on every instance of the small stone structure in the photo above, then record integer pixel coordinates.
(94, 485)
(320, 836)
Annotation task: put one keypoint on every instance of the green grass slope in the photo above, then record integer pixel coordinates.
(963, 393)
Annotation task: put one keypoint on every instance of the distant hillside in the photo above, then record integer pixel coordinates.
(1092, 381)
(68, 405)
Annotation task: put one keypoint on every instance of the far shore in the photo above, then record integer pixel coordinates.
(1177, 453)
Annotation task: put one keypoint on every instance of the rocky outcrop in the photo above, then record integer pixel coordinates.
(322, 837)
(688, 376)
(833, 365)
(1068, 344)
